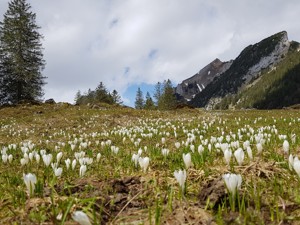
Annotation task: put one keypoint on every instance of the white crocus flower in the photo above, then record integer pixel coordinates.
(82, 170)
(30, 156)
(246, 144)
(227, 156)
(177, 145)
(73, 147)
(286, 146)
(249, 152)
(98, 157)
(296, 166)
(165, 152)
(239, 156)
(187, 160)
(144, 163)
(140, 151)
(30, 181)
(4, 158)
(114, 149)
(259, 148)
(37, 158)
(180, 176)
(74, 162)
(200, 149)
(192, 148)
(233, 182)
(10, 158)
(59, 156)
(81, 218)
(23, 162)
(47, 159)
(58, 171)
(135, 159)
(68, 163)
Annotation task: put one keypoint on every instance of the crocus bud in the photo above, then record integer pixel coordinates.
(249, 152)
(177, 145)
(286, 146)
(200, 149)
(58, 171)
(30, 181)
(227, 156)
(59, 156)
(81, 218)
(187, 160)
(259, 148)
(135, 159)
(98, 157)
(165, 152)
(239, 156)
(144, 163)
(296, 166)
(180, 176)
(68, 162)
(82, 170)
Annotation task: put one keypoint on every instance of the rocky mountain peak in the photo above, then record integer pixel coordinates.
(197, 83)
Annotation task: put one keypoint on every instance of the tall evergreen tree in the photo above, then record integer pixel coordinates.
(78, 98)
(21, 57)
(116, 98)
(102, 95)
(139, 99)
(158, 93)
(149, 104)
(168, 99)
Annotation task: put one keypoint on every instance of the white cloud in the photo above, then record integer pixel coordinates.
(99, 40)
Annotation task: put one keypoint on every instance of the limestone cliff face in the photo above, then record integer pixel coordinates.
(197, 83)
(222, 79)
(269, 61)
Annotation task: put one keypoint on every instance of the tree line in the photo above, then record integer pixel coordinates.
(99, 95)
(164, 97)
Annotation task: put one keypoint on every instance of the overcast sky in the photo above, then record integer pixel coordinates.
(131, 43)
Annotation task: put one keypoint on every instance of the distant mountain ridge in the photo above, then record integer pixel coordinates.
(223, 85)
(197, 83)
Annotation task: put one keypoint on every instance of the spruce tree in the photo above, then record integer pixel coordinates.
(102, 95)
(78, 98)
(21, 57)
(158, 93)
(116, 98)
(139, 99)
(168, 100)
(149, 104)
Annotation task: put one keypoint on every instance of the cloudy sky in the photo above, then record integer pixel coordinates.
(131, 43)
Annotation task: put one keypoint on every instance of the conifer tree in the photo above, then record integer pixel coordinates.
(116, 98)
(102, 95)
(168, 99)
(158, 94)
(78, 98)
(139, 99)
(149, 104)
(21, 57)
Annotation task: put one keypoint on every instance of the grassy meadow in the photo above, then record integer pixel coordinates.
(123, 166)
